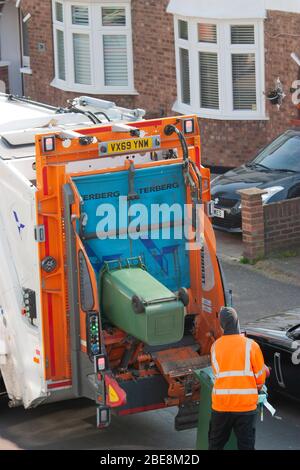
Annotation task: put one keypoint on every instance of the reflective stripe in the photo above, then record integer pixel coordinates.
(247, 355)
(235, 391)
(247, 372)
(214, 360)
(235, 373)
(260, 372)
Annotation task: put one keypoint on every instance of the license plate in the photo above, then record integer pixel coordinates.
(139, 145)
(219, 213)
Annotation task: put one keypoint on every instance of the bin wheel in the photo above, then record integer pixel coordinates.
(183, 296)
(137, 304)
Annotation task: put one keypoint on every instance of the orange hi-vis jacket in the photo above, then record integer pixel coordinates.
(239, 370)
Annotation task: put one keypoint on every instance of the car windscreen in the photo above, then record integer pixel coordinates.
(282, 154)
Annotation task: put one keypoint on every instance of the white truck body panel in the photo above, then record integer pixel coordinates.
(23, 371)
(22, 359)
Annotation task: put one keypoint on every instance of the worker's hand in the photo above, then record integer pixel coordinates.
(262, 389)
(268, 371)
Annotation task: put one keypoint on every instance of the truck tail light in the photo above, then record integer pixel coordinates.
(115, 395)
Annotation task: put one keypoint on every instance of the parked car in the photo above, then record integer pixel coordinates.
(276, 169)
(279, 339)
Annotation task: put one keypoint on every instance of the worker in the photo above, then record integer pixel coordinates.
(239, 372)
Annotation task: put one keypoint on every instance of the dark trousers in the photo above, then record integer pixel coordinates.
(222, 424)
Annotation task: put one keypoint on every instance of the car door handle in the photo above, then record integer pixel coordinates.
(278, 371)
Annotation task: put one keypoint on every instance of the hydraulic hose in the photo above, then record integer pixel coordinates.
(103, 114)
(169, 130)
(73, 109)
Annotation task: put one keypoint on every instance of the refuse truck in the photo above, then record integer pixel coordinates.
(97, 298)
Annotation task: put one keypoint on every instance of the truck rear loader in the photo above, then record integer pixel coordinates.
(97, 299)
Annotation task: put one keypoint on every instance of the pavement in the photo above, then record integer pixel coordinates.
(71, 425)
(281, 267)
(229, 245)
(284, 267)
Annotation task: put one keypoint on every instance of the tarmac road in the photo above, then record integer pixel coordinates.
(71, 425)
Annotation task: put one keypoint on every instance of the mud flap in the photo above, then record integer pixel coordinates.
(187, 417)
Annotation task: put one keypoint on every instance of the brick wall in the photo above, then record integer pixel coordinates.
(153, 50)
(253, 223)
(282, 225)
(227, 143)
(231, 143)
(271, 228)
(4, 77)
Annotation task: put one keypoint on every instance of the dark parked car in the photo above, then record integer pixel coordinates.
(279, 339)
(276, 169)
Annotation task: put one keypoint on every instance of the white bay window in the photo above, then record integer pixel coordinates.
(93, 46)
(220, 68)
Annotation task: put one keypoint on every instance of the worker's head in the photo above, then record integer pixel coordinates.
(229, 321)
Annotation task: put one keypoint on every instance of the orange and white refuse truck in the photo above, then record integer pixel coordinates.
(110, 285)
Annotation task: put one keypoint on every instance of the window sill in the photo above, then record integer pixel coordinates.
(247, 116)
(26, 70)
(91, 90)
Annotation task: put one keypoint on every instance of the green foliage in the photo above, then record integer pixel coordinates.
(287, 254)
(251, 262)
(245, 260)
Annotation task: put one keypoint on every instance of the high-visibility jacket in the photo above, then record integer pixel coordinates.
(239, 370)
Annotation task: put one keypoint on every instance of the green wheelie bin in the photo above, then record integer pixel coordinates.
(205, 377)
(139, 304)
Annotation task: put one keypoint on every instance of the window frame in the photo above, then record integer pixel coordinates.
(224, 49)
(96, 31)
(25, 59)
(79, 29)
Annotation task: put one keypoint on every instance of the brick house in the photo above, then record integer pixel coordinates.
(214, 58)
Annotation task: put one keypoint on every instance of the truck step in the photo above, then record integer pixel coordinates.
(180, 362)
(187, 417)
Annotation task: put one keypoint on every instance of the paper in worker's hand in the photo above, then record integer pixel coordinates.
(270, 408)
